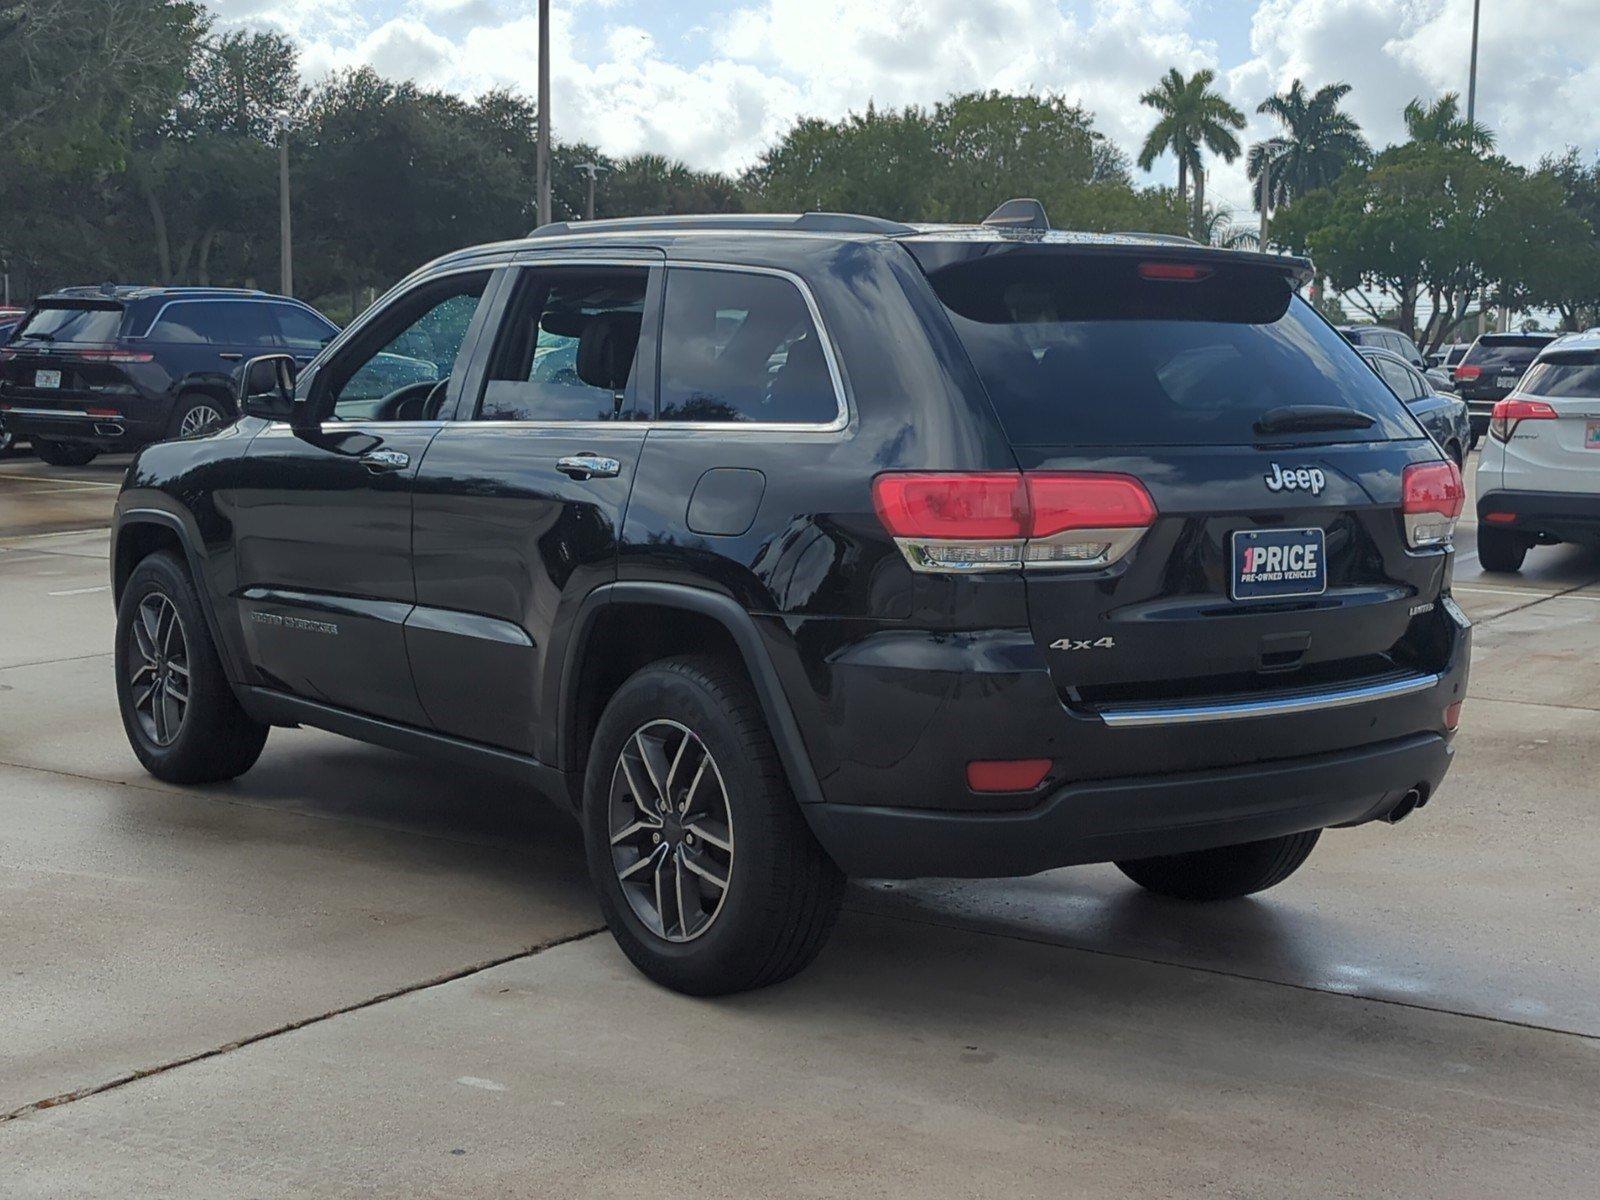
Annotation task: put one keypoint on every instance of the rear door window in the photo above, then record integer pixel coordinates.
(246, 323)
(1574, 375)
(71, 324)
(1087, 350)
(741, 348)
(1397, 377)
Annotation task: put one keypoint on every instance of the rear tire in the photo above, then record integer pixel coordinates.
(65, 454)
(201, 734)
(1224, 873)
(196, 413)
(782, 892)
(1499, 550)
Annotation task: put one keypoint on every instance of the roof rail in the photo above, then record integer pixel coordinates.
(811, 222)
(1172, 239)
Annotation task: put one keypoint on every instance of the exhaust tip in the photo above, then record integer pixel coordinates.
(1414, 799)
(108, 429)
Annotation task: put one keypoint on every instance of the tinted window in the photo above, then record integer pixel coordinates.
(300, 330)
(393, 369)
(194, 324)
(245, 323)
(1503, 351)
(1078, 350)
(73, 325)
(567, 347)
(741, 347)
(1398, 378)
(1574, 374)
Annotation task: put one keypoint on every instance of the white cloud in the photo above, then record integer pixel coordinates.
(772, 61)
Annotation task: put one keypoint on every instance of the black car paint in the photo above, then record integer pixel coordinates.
(1445, 417)
(472, 629)
(140, 397)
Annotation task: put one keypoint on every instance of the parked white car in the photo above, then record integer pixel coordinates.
(1539, 474)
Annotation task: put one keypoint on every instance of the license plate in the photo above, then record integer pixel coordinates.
(47, 379)
(1591, 436)
(1507, 380)
(1273, 563)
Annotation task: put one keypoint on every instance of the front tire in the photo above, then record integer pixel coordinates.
(707, 874)
(179, 712)
(1499, 550)
(65, 454)
(1224, 873)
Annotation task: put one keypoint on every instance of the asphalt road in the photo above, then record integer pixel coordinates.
(354, 973)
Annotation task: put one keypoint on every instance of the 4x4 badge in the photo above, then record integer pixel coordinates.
(1105, 643)
(1306, 479)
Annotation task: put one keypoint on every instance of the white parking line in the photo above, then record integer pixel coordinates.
(1531, 595)
(84, 591)
(46, 479)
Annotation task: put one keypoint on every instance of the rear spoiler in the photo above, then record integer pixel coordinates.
(941, 247)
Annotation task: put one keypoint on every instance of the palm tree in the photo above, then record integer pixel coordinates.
(1193, 118)
(1443, 123)
(1319, 141)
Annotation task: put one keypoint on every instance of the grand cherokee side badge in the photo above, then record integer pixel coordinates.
(1105, 643)
(1306, 479)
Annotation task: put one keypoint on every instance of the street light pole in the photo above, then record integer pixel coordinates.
(1472, 71)
(285, 233)
(542, 157)
(1266, 166)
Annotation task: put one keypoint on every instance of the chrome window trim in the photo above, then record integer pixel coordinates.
(840, 421)
(1142, 716)
(162, 311)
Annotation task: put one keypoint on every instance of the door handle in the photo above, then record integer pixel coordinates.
(229, 356)
(589, 466)
(380, 462)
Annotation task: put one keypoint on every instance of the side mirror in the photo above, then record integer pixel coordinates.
(266, 387)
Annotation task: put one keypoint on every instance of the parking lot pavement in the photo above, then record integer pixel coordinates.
(36, 498)
(1414, 1014)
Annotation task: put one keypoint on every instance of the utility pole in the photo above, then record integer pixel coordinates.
(592, 170)
(285, 233)
(1472, 70)
(542, 157)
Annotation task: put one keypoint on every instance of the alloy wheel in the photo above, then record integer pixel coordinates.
(198, 419)
(158, 669)
(671, 830)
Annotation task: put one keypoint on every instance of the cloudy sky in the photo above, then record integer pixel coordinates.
(711, 81)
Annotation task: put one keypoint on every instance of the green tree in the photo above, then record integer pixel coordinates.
(1193, 119)
(1319, 141)
(1442, 124)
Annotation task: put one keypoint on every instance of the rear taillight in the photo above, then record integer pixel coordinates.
(114, 356)
(1465, 372)
(1512, 411)
(951, 521)
(1431, 496)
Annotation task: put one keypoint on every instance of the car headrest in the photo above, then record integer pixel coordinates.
(606, 349)
(802, 388)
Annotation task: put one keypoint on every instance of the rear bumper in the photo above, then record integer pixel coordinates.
(1135, 818)
(121, 432)
(1563, 516)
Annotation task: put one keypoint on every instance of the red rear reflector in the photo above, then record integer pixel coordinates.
(1173, 272)
(1500, 518)
(103, 412)
(1468, 372)
(1452, 715)
(1007, 774)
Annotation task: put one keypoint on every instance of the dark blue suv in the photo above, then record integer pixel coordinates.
(91, 370)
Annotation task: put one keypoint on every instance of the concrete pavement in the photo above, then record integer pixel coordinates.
(287, 986)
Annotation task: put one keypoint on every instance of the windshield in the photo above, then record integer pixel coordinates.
(1575, 374)
(66, 324)
(1090, 351)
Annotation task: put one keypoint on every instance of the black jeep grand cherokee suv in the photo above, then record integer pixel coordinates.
(787, 549)
(107, 369)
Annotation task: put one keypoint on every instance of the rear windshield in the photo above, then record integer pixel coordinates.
(1505, 351)
(1575, 374)
(65, 324)
(1083, 350)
